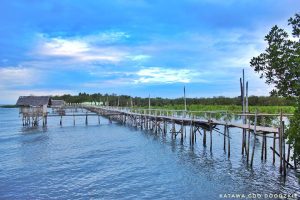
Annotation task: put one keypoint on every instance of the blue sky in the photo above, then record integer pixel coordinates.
(134, 47)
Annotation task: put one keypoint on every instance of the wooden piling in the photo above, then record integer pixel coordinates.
(228, 134)
(243, 141)
(210, 130)
(280, 145)
(248, 142)
(191, 135)
(280, 151)
(254, 141)
(262, 147)
(173, 129)
(195, 135)
(265, 137)
(204, 137)
(181, 132)
(288, 155)
(210, 138)
(283, 149)
(224, 147)
(274, 147)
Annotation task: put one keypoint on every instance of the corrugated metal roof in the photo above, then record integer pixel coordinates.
(33, 101)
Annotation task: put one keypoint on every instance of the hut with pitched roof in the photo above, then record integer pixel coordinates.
(33, 109)
(58, 106)
(57, 103)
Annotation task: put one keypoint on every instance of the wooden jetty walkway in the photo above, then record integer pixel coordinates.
(176, 121)
(199, 124)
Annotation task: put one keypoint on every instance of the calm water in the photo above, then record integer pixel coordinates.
(110, 161)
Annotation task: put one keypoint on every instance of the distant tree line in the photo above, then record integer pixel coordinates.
(125, 100)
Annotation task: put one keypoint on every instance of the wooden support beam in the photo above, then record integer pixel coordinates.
(276, 153)
(288, 155)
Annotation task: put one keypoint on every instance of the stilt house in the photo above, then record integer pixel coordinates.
(33, 107)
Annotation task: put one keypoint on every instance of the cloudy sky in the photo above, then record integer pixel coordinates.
(135, 47)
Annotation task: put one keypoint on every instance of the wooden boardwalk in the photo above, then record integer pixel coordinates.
(181, 124)
(183, 119)
(168, 121)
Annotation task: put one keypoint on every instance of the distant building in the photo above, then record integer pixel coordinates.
(33, 107)
(58, 107)
(57, 103)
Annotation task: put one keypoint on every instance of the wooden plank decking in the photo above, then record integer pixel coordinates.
(188, 120)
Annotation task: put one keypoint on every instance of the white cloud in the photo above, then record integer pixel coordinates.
(62, 47)
(165, 75)
(139, 57)
(80, 50)
(106, 37)
(87, 48)
(18, 76)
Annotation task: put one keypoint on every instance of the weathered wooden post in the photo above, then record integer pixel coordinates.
(274, 146)
(98, 119)
(228, 134)
(173, 128)
(194, 132)
(283, 149)
(288, 155)
(242, 96)
(225, 131)
(60, 122)
(155, 121)
(254, 141)
(264, 143)
(191, 135)
(204, 137)
(280, 143)
(248, 141)
(86, 119)
(224, 147)
(181, 132)
(210, 130)
(263, 147)
(43, 120)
